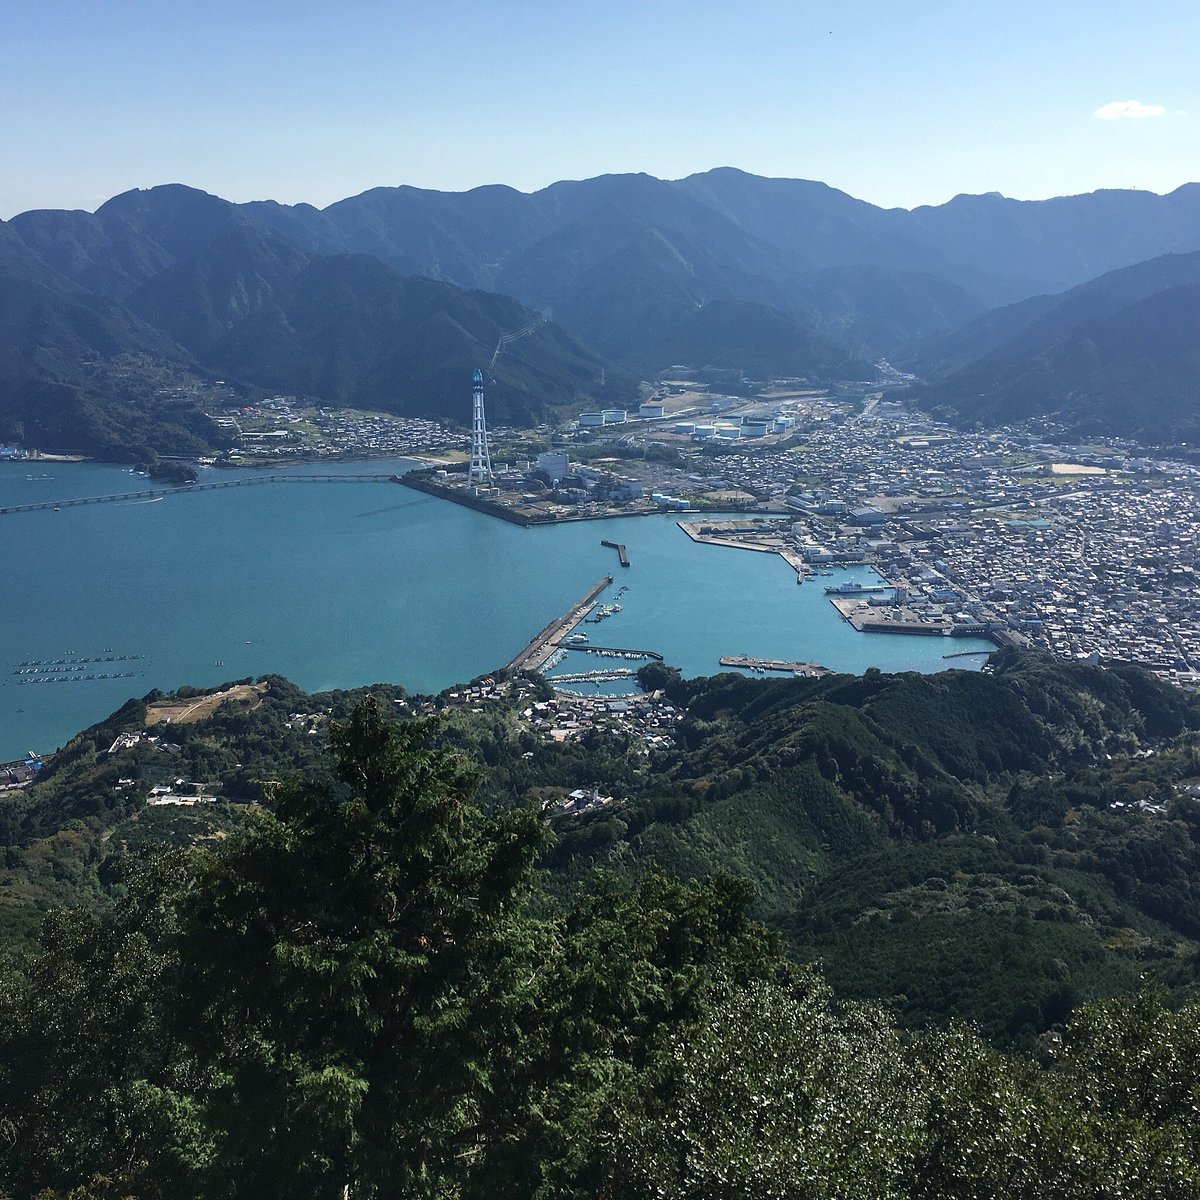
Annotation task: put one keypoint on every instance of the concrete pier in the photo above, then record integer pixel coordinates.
(619, 547)
(807, 670)
(546, 640)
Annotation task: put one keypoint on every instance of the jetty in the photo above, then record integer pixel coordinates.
(806, 670)
(619, 547)
(601, 676)
(159, 493)
(546, 640)
(617, 652)
(858, 589)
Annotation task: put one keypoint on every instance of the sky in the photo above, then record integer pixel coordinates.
(898, 102)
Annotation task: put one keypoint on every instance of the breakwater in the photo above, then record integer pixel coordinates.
(619, 547)
(546, 640)
(619, 652)
(808, 670)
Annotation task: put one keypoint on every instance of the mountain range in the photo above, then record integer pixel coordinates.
(1121, 352)
(386, 299)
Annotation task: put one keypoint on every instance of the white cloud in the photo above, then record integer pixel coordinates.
(1128, 110)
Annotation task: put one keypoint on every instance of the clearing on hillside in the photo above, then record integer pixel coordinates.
(199, 708)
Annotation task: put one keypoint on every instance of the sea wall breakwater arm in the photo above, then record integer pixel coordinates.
(546, 640)
(772, 546)
(422, 481)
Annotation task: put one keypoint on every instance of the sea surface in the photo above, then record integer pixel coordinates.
(349, 583)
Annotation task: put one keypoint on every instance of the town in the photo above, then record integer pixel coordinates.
(1089, 551)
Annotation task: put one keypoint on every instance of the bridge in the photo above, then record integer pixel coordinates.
(155, 493)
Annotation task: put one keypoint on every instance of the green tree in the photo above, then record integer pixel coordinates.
(776, 1094)
(93, 1094)
(352, 994)
(355, 963)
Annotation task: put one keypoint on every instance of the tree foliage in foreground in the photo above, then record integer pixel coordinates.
(781, 1094)
(357, 994)
(351, 991)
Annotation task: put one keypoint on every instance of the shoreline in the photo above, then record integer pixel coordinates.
(490, 508)
(790, 557)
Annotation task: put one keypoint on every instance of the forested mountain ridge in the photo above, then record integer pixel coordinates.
(82, 371)
(352, 331)
(1031, 324)
(1117, 354)
(722, 269)
(364, 974)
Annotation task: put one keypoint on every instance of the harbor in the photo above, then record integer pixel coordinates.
(604, 675)
(408, 590)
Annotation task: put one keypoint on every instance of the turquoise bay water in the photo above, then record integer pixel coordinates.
(338, 585)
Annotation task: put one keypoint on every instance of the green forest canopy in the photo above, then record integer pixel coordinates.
(364, 991)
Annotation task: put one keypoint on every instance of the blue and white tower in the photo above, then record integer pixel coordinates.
(480, 473)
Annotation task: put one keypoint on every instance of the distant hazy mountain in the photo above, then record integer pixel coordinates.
(779, 242)
(997, 249)
(59, 386)
(131, 238)
(874, 310)
(1119, 354)
(78, 370)
(1035, 322)
(353, 331)
(738, 334)
(807, 279)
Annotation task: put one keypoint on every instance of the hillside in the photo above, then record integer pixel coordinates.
(1115, 355)
(82, 372)
(352, 331)
(896, 846)
(367, 973)
(900, 846)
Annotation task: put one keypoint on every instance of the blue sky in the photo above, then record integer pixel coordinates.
(899, 102)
